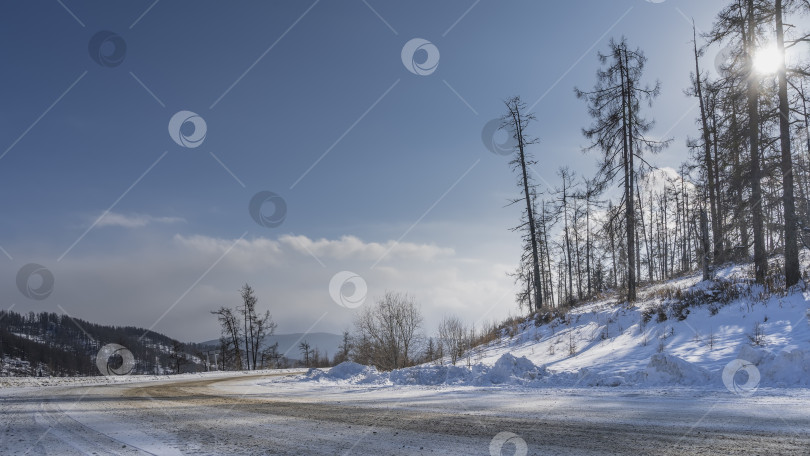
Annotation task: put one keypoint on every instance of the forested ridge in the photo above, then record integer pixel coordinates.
(59, 345)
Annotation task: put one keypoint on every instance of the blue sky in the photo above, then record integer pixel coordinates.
(405, 176)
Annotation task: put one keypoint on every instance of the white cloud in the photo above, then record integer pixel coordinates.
(350, 247)
(132, 220)
(659, 179)
(136, 286)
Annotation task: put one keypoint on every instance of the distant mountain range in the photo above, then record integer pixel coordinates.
(288, 343)
(48, 344)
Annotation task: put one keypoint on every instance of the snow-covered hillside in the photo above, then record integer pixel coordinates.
(736, 336)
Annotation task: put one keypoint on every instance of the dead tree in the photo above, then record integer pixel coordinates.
(618, 131)
(707, 156)
(230, 336)
(516, 120)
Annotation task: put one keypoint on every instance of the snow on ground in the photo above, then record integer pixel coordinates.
(26, 382)
(247, 414)
(608, 343)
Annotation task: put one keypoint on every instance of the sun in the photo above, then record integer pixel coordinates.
(767, 60)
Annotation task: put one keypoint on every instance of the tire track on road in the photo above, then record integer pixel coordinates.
(550, 433)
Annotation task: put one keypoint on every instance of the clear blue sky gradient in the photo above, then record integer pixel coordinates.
(286, 106)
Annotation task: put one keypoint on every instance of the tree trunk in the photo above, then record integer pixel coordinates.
(630, 228)
(247, 345)
(760, 257)
(588, 240)
(538, 298)
(704, 235)
(570, 290)
(720, 255)
(707, 155)
(613, 255)
(548, 257)
(792, 274)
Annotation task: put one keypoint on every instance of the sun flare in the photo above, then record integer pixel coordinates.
(767, 60)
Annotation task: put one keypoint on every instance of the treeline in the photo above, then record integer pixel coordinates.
(743, 193)
(32, 358)
(53, 344)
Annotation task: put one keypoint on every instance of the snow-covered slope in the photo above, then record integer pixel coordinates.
(736, 328)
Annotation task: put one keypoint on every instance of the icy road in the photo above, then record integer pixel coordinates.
(251, 414)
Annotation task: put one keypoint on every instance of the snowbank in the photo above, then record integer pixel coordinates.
(508, 370)
(346, 372)
(667, 369)
(786, 368)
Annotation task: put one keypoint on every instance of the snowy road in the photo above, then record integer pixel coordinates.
(257, 415)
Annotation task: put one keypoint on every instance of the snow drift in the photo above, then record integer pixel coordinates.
(668, 369)
(783, 369)
(507, 370)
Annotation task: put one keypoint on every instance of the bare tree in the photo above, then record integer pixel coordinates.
(306, 351)
(709, 164)
(345, 348)
(516, 120)
(453, 337)
(564, 196)
(391, 328)
(618, 131)
(248, 311)
(230, 336)
(263, 326)
(257, 327)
